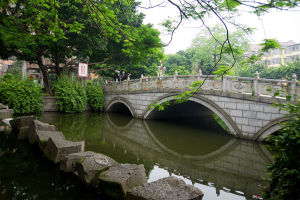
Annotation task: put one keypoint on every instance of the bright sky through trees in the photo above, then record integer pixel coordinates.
(281, 25)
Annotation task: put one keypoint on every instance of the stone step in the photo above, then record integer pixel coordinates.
(170, 188)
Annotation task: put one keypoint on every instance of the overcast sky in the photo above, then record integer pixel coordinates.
(281, 25)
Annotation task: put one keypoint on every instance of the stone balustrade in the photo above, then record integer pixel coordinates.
(254, 86)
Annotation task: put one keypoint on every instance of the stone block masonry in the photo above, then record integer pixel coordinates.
(243, 103)
(5, 112)
(249, 117)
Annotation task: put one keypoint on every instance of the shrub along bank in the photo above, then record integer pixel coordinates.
(72, 96)
(24, 97)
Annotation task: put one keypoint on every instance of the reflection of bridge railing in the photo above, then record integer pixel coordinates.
(244, 85)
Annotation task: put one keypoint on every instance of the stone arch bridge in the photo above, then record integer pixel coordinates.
(244, 104)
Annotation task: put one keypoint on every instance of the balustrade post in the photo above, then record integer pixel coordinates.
(141, 81)
(175, 78)
(24, 70)
(200, 72)
(115, 88)
(224, 87)
(256, 84)
(128, 83)
(293, 87)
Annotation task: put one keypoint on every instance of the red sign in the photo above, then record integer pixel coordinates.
(161, 65)
(83, 70)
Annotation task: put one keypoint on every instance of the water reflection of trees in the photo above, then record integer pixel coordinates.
(26, 174)
(76, 126)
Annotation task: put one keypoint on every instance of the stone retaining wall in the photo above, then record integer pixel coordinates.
(49, 104)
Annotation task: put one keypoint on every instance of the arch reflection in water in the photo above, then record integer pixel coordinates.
(206, 156)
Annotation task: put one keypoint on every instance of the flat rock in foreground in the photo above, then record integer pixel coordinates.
(89, 167)
(70, 162)
(43, 137)
(57, 148)
(170, 188)
(21, 126)
(118, 179)
(37, 125)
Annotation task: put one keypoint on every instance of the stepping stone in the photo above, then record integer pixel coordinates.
(69, 163)
(57, 148)
(118, 179)
(21, 125)
(38, 126)
(170, 188)
(43, 137)
(89, 167)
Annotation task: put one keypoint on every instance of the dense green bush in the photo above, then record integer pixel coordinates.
(284, 171)
(95, 97)
(23, 97)
(71, 95)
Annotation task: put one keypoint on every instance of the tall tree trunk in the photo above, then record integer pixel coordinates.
(47, 83)
(57, 70)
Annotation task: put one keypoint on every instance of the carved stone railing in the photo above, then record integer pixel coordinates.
(254, 86)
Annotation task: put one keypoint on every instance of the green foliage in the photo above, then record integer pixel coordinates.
(108, 32)
(205, 52)
(23, 97)
(95, 97)
(223, 70)
(282, 72)
(221, 123)
(180, 98)
(16, 69)
(269, 44)
(71, 95)
(284, 171)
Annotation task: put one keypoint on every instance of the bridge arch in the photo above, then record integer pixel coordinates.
(122, 101)
(270, 128)
(234, 130)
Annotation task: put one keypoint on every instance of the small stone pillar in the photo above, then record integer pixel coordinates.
(175, 75)
(141, 80)
(24, 70)
(224, 86)
(200, 72)
(175, 79)
(256, 84)
(293, 87)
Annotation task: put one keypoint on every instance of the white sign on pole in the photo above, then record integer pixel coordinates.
(83, 70)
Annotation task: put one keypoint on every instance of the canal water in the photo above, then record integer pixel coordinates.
(197, 150)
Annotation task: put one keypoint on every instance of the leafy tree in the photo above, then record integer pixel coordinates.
(67, 32)
(181, 61)
(206, 49)
(284, 171)
(282, 72)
